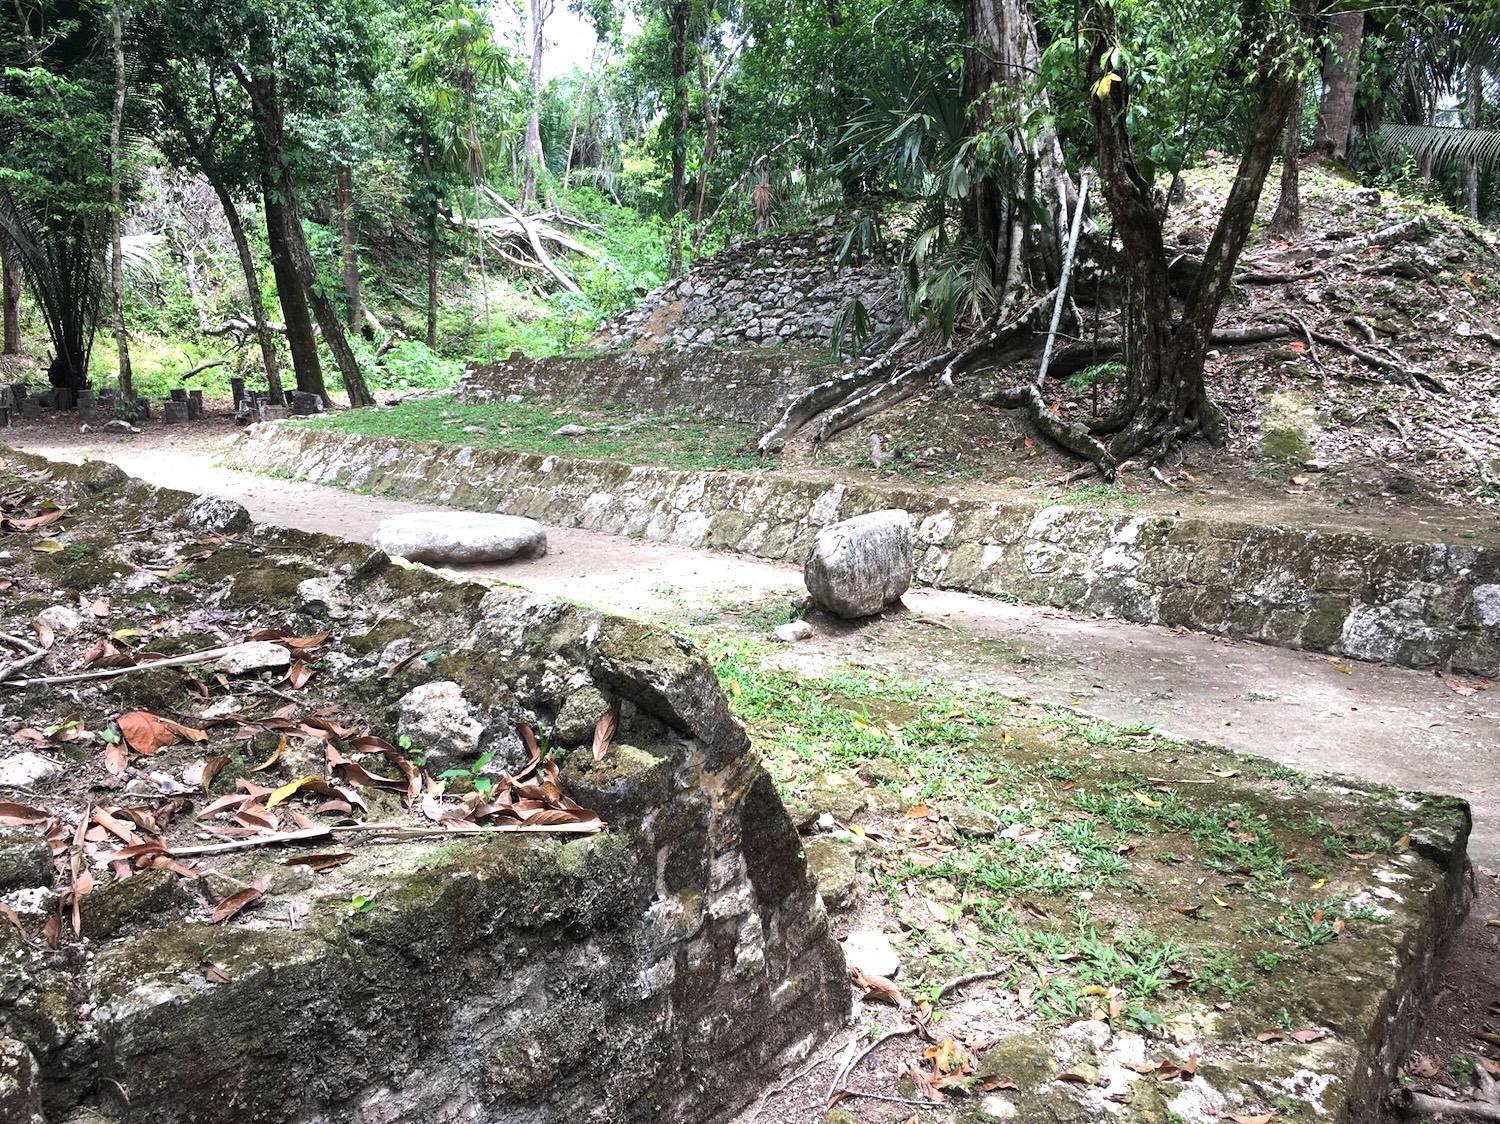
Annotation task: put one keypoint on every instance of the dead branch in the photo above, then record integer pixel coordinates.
(1250, 333)
(1411, 376)
(1312, 347)
(112, 672)
(16, 666)
(1363, 328)
(201, 367)
(972, 978)
(1274, 278)
(776, 1090)
(533, 236)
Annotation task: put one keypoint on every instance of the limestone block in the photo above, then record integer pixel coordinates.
(860, 566)
(215, 515)
(460, 536)
(256, 655)
(437, 717)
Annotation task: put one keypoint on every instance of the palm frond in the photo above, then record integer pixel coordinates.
(1447, 147)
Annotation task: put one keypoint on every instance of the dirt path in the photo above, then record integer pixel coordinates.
(1404, 728)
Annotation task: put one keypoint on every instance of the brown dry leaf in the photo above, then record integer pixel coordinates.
(211, 769)
(14, 815)
(1072, 1078)
(253, 817)
(98, 608)
(44, 634)
(190, 733)
(878, 987)
(1308, 1034)
(1238, 1118)
(213, 973)
(1423, 1066)
(320, 863)
(145, 732)
(239, 900)
(947, 1056)
(1270, 1036)
(275, 756)
(298, 674)
(32, 522)
(604, 730)
(991, 1084)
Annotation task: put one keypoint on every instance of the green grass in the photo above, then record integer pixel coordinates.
(674, 441)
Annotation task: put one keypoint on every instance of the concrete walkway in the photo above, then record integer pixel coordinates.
(1410, 729)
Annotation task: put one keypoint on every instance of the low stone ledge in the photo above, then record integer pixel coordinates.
(1407, 603)
(658, 971)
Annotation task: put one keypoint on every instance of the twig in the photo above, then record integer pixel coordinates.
(20, 665)
(112, 672)
(972, 978)
(16, 642)
(847, 1067)
(894, 1100)
(1312, 348)
(777, 1090)
(935, 623)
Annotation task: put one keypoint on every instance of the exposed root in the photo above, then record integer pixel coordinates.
(1071, 436)
(1484, 1106)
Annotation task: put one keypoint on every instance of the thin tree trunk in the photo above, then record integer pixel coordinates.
(327, 317)
(1288, 216)
(10, 297)
(252, 289)
(580, 113)
(1003, 60)
(1473, 107)
(678, 18)
(348, 250)
(1340, 76)
(433, 220)
(539, 11)
(116, 265)
(300, 340)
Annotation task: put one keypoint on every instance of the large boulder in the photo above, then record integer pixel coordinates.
(460, 536)
(861, 565)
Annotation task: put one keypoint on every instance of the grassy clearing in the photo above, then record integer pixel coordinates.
(1120, 873)
(674, 441)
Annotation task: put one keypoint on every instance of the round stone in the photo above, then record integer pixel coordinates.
(460, 537)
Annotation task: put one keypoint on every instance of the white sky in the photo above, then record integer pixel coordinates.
(569, 38)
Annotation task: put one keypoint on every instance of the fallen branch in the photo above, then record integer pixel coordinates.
(1409, 375)
(777, 1090)
(383, 832)
(972, 978)
(201, 367)
(20, 665)
(113, 672)
(1273, 278)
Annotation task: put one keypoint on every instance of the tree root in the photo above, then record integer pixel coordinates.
(1071, 436)
(1484, 1106)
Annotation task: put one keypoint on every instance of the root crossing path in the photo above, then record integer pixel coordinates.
(1409, 729)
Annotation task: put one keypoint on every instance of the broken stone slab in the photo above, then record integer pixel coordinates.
(25, 859)
(792, 632)
(460, 537)
(28, 769)
(216, 515)
(835, 794)
(832, 864)
(860, 566)
(254, 655)
(871, 953)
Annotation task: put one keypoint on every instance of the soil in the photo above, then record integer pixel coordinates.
(1404, 728)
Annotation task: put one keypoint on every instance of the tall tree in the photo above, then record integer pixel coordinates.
(1164, 398)
(1340, 78)
(10, 298)
(116, 209)
(538, 13)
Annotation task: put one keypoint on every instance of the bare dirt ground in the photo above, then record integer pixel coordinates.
(1404, 728)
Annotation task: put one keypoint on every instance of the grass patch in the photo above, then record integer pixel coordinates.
(670, 440)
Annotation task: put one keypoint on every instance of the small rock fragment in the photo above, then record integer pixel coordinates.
(437, 717)
(793, 631)
(579, 715)
(215, 515)
(27, 770)
(570, 430)
(967, 820)
(254, 655)
(61, 619)
(871, 953)
(836, 794)
(20, 1087)
(25, 859)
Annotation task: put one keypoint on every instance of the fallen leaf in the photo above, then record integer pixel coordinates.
(145, 732)
(604, 730)
(239, 900)
(1308, 1034)
(1072, 1078)
(320, 863)
(873, 986)
(275, 756)
(1263, 1118)
(49, 546)
(919, 812)
(13, 815)
(298, 674)
(190, 733)
(991, 1084)
(213, 973)
(287, 791)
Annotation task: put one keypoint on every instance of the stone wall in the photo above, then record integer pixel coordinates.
(783, 290)
(654, 972)
(1410, 603)
(726, 385)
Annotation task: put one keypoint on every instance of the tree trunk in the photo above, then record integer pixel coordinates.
(300, 340)
(323, 309)
(1164, 397)
(678, 18)
(252, 289)
(343, 195)
(1340, 76)
(434, 224)
(10, 297)
(1003, 60)
(1288, 216)
(539, 11)
(116, 265)
(1473, 108)
(580, 112)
